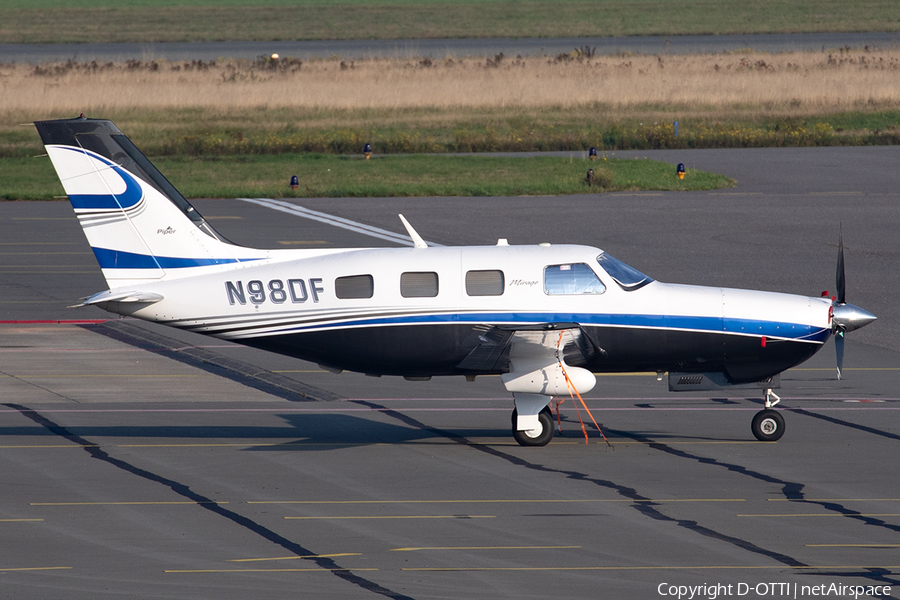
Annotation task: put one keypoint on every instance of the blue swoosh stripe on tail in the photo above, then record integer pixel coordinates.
(117, 259)
(131, 196)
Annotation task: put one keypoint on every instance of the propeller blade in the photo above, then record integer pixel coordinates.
(839, 277)
(839, 351)
(844, 317)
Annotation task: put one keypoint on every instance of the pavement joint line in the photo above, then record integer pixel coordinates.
(831, 369)
(852, 545)
(485, 548)
(393, 517)
(833, 499)
(244, 445)
(662, 568)
(829, 515)
(117, 376)
(499, 501)
(601, 409)
(492, 441)
(295, 557)
(80, 447)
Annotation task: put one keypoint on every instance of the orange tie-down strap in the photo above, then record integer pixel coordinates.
(572, 389)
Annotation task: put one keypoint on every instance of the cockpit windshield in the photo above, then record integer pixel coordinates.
(628, 278)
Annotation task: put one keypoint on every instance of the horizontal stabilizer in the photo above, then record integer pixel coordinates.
(130, 296)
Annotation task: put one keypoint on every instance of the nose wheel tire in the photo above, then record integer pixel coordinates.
(535, 437)
(768, 425)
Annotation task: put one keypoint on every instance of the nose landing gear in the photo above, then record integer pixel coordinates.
(768, 424)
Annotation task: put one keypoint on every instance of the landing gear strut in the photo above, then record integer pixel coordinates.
(768, 425)
(539, 436)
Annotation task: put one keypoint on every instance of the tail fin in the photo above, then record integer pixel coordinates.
(139, 226)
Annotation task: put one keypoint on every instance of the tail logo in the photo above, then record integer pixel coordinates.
(131, 195)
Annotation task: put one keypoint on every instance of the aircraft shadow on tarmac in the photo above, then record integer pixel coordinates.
(316, 432)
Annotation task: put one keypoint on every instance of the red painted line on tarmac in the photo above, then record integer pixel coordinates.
(56, 322)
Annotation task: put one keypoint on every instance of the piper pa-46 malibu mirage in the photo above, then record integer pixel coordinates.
(543, 317)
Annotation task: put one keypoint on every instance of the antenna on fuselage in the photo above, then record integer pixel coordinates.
(416, 238)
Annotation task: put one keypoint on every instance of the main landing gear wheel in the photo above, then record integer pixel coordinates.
(768, 425)
(535, 437)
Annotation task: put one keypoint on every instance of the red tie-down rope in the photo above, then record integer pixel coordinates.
(571, 387)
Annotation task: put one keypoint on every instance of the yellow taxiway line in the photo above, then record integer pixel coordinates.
(6, 570)
(19, 520)
(485, 548)
(310, 570)
(119, 503)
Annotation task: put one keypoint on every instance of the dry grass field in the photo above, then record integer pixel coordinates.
(458, 104)
(792, 82)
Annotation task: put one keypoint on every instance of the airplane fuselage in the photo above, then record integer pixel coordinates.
(426, 311)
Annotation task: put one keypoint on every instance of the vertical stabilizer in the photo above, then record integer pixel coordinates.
(138, 225)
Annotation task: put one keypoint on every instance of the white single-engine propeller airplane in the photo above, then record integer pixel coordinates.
(543, 317)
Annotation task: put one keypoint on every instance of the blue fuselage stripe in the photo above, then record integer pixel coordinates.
(792, 331)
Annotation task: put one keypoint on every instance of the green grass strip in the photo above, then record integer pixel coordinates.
(182, 132)
(382, 176)
(45, 21)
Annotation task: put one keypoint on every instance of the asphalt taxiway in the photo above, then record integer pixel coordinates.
(145, 462)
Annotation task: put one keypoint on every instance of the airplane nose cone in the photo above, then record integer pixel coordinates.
(850, 317)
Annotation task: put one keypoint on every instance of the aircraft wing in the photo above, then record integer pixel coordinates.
(550, 340)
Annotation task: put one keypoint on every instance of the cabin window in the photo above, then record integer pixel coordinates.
(354, 286)
(419, 285)
(573, 278)
(628, 278)
(484, 283)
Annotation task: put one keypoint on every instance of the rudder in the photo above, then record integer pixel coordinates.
(139, 226)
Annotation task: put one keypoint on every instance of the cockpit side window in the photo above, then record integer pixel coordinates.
(573, 278)
(628, 278)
